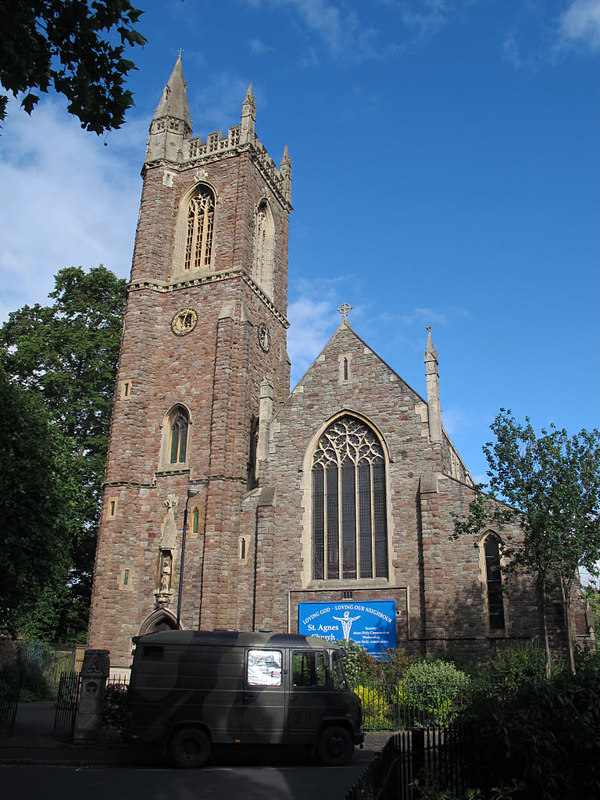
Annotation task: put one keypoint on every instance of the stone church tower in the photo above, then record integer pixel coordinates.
(204, 345)
(230, 502)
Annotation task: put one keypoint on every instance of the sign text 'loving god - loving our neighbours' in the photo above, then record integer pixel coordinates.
(372, 625)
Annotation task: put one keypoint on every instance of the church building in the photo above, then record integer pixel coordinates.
(230, 502)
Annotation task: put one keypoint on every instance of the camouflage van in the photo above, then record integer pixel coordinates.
(193, 689)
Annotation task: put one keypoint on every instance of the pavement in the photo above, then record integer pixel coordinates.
(33, 743)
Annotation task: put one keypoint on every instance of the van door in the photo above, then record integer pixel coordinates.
(264, 697)
(310, 695)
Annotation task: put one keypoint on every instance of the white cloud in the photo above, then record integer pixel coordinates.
(218, 103)
(311, 327)
(258, 47)
(66, 200)
(581, 23)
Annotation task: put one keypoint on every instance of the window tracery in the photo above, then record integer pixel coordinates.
(175, 436)
(349, 518)
(200, 222)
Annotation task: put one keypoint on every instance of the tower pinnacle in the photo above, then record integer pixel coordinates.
(248, 117)
(433, 390)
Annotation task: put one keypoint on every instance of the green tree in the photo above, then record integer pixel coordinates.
(67, 355)
(36, 501)
(75, 47)
(550, 488)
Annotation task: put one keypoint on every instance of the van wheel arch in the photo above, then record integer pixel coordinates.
(189, 746)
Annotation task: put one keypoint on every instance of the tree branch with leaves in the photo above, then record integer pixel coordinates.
(548, 486)
(77, 48)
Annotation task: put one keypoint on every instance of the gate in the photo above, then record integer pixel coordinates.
(10, 688)
(66, 705)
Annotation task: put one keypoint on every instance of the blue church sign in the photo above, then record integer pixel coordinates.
(372, 625)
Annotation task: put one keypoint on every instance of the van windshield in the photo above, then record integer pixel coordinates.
(337, 670)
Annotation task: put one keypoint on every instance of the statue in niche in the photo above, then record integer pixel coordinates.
(169, 532)
(166, 560)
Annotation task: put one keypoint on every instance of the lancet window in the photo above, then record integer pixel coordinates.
(200, 223)
(264, 243)
(179, 422)
(349, 517)
(493, 578)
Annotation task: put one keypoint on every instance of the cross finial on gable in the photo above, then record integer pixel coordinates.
(344, 310)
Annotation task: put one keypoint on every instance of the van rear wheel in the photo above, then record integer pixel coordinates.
(189, 748)
(335, 746)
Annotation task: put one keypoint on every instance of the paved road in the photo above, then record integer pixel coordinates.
(281, 782)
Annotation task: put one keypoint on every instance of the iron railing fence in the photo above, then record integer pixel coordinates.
(115, 699)
(412, 759)
(413, 703)
(10, 688)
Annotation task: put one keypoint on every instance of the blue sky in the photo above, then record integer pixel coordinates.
(445, 172)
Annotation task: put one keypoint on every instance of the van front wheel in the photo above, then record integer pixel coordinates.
(189, 748)
(335, 746)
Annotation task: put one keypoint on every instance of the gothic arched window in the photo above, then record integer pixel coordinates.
(493, 580)
(264, 243)
(178, 424)
(200, 221)
(349, 517)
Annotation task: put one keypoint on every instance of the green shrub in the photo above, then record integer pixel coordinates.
(516, 666)
(431, 692)
(546, 735)
(587, 660)
(375, 708)
(360, 666)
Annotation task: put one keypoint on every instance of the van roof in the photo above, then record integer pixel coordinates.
(235, 638)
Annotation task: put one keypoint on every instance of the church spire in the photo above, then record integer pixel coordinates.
(174, 102)
(171, 123)
(433, 391)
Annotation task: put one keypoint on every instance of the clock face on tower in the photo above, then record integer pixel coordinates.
(184, 321)
(264, 337)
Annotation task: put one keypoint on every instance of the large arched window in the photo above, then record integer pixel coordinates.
(200, 222)
(264, 245)
(349, 518)
(493, 580)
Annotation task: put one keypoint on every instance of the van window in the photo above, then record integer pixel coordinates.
(264, 667)
(308, 668)
(339, 679)
(153, 651)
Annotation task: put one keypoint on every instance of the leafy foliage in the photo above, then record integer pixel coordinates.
(70, 46)
(36, 503)
(550, 488)
(592, 595)
(432, 692)
(65, 356)
(359, 664)
(428, 790)
(547, 735)
(377, 713)
(516, 666)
